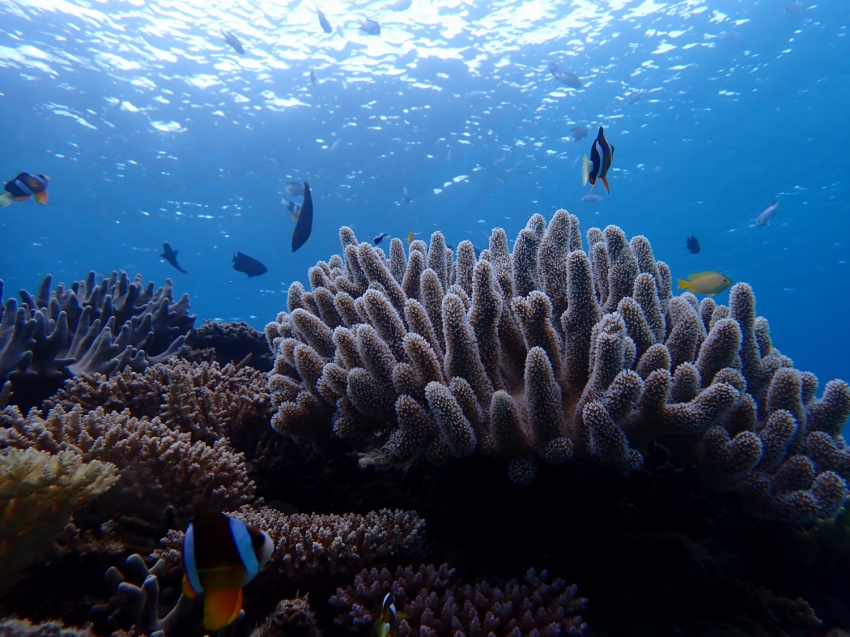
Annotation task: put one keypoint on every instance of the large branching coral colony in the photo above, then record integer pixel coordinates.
(548, 354)
(547, 361)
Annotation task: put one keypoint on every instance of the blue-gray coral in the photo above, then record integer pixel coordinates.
(89, 327)
(551, 354)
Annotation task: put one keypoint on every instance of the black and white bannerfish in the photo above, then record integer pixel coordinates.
(596, 168)
(767, 214)
(220, 555)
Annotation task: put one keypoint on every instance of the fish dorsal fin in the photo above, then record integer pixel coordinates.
(221, 607)
(696, 275)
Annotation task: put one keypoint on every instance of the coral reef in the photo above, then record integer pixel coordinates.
(136, 603)
(87, 327)
(205, 399)
(38, 493)
(435, 602)
(162, 469)
(229, 343)
(312, 549)
(291, 618)
(22, 628)
(549, 354)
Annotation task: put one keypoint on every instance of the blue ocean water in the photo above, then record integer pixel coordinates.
(153, 129)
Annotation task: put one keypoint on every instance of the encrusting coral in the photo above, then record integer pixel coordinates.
(549, 354)
(87, 327)
(38, 493)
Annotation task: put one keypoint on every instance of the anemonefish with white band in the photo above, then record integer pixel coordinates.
(220, 555)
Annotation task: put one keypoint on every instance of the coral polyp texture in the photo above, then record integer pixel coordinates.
(550, 353)
(436, 602)
(89, 327)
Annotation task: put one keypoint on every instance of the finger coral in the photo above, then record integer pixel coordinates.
(436, 602)
(87, 327)
(550, 354)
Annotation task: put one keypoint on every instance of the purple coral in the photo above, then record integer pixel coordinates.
(87, 327)
(436, 602)
(547, 354)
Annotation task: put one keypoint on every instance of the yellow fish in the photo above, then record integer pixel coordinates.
(410, 237)
(709, 283)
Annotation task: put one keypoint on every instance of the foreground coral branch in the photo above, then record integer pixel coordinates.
(553, 354)
(38, 493)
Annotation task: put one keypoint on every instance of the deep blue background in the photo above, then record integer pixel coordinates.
(749, 107)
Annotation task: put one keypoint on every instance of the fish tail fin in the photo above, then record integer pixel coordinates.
(683, 284)
(5, 199)
(585, 171)
(221, 607)
(41, 197)
(605, 183)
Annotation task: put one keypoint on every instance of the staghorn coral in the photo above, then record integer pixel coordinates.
(38, 493)
(162, 469)
(402, 371)
(311, 549)
(87, 327)
(205, 399)
(435, 602)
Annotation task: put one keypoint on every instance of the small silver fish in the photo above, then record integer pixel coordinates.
(591, 198)
(767, 214)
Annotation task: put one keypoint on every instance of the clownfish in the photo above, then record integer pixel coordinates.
(220, 555)
(386, 624)
(23, 186)
(596, 168)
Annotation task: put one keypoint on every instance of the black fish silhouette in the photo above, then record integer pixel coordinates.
(304, 225)
(170, 255)
(379, 238)
(692, 244)
(233, 41)
(323, 21)
(248, 265)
